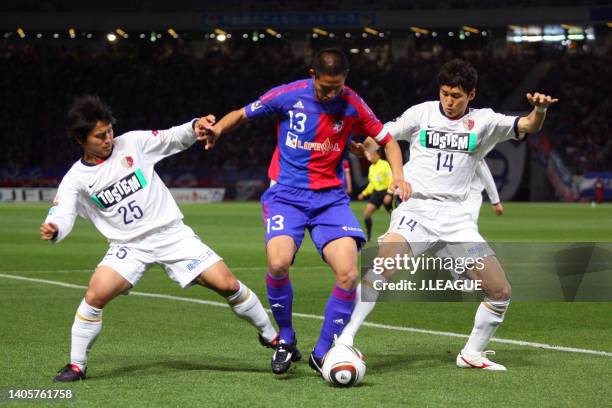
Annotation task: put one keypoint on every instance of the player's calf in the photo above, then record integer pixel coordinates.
(85, 330)
(489, 316)
(246, 305)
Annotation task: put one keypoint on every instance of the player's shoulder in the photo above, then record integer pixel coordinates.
(482, 112)
(356, 102)
(352, 96)
(349, 92)
(428, 106)
(75, 173)
(134, 138)
(420, 108)
(285, 90)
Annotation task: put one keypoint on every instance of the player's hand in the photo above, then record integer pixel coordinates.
(204, 126)
(541, 100)
(48, 231)
(360, 197)
(498, 209)
(356, 148)
(401, 188)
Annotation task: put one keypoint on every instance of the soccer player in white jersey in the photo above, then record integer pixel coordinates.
(115, 186)
(447, 142)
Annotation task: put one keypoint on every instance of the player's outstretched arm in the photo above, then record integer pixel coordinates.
(229, 122)
(394, 157)
(533, 122)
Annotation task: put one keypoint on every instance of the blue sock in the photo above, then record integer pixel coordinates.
(280, 296)
(337, 314)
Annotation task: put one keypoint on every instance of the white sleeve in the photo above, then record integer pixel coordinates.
(403, 127)
(498, 128)
(486, 178)
(64, 210)
(158, 144)
(502, 127)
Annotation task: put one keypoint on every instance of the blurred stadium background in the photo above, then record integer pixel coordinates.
(161, 63)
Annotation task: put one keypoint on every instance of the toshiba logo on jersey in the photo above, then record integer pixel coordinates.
(295, 143)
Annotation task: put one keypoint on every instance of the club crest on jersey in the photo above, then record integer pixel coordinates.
(255, 105)
(120, 190)
(127, 162)
(468, 123)
(456, 141)
(338, 125)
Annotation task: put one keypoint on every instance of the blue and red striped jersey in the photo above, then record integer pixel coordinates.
(313, 136)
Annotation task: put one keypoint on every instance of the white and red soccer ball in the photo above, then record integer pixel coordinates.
(343, 366)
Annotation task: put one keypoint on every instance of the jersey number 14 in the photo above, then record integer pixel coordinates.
(446, 163)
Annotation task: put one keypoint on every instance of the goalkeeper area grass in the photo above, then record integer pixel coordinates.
(166, 346)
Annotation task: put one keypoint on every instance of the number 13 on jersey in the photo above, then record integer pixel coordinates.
(275, 223)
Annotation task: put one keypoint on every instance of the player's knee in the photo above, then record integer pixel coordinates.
(227, 285)
(96, 298)
(346, 279)
(502, 293)
(278, 267)
(507, 292)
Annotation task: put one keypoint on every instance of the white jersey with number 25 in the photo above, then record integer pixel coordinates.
(122, 196)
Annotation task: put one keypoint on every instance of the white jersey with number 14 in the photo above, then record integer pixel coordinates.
(444, 153)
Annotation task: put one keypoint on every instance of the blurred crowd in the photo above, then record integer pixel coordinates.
(580, 126)
(154, 87)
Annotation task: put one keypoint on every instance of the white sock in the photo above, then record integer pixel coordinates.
(247, 306)
(489, 316)
(85, 329)
(365, 300)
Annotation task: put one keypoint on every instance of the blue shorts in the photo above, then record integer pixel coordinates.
(325, 213)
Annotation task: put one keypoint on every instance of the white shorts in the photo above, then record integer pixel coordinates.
(175, 247)
(444, 228)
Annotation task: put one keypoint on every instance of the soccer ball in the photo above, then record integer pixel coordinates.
(343, 366)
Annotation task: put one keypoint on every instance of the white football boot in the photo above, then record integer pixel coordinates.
(466, 359)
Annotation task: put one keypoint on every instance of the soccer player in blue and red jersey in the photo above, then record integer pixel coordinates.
(316, 117)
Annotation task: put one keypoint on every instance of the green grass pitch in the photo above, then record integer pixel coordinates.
(163, 352)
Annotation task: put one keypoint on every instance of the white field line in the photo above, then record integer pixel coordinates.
(242, 268)
(317, 317)
(91, 270)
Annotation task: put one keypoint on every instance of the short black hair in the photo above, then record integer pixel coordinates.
(83, 115)
(460, 73)
(330, 61)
